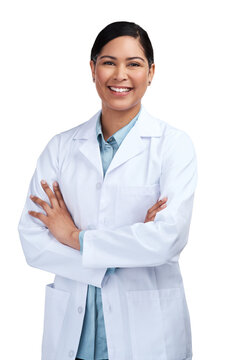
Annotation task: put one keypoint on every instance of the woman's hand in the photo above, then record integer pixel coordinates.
(57, 219)
(160, 205)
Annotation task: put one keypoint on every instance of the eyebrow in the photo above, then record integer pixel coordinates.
(129, 58)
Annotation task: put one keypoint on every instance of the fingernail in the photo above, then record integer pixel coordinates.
(31, 196)
(55, 183)
(43, 182)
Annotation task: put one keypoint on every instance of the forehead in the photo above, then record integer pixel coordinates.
(123, 46)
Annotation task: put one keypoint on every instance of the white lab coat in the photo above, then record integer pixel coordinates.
(145, 310)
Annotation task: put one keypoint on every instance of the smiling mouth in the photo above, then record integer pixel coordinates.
(120, 90)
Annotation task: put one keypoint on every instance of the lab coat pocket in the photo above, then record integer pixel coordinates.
(133, 203)
(56, 302)
(157, 324)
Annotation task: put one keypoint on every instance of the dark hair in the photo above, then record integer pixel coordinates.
(123, 28)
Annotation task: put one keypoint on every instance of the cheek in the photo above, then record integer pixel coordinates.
(141, 79)
(102, 76)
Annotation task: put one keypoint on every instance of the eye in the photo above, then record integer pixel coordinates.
(108, 63)
(134, 64)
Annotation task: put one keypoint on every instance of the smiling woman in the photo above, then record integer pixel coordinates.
(116, 219)
(122, 67)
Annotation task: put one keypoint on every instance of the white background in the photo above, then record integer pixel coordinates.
(46, 87)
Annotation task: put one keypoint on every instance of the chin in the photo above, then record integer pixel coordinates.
(121, 107)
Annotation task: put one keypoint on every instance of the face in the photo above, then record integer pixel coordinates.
(122, 73)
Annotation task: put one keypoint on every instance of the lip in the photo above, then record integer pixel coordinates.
(119, 87)
(120, 93)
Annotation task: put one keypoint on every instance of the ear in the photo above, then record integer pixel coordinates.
(151, 72)
(92, 65)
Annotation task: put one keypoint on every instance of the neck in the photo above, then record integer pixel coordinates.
(113, 120)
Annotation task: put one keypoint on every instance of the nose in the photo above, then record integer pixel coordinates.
(120, 73)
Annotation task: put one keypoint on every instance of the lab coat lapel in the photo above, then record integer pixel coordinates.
(132, 145)
(88, 143)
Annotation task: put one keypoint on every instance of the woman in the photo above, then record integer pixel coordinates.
(105, 229)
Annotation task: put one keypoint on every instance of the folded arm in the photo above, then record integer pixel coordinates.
(41, 249)
(157, 242)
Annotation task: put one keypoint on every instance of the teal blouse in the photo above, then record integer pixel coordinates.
(93, 344)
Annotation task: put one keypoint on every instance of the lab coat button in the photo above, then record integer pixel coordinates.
(71, 353)
(98, 185)
(80, 309)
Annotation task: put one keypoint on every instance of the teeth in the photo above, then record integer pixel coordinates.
(119, 89)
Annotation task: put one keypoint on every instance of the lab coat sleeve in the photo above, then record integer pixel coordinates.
(109, 271)
(156, 242)
(40, 248)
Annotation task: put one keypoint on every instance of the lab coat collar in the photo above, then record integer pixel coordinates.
(133, 144)
(147, 126)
